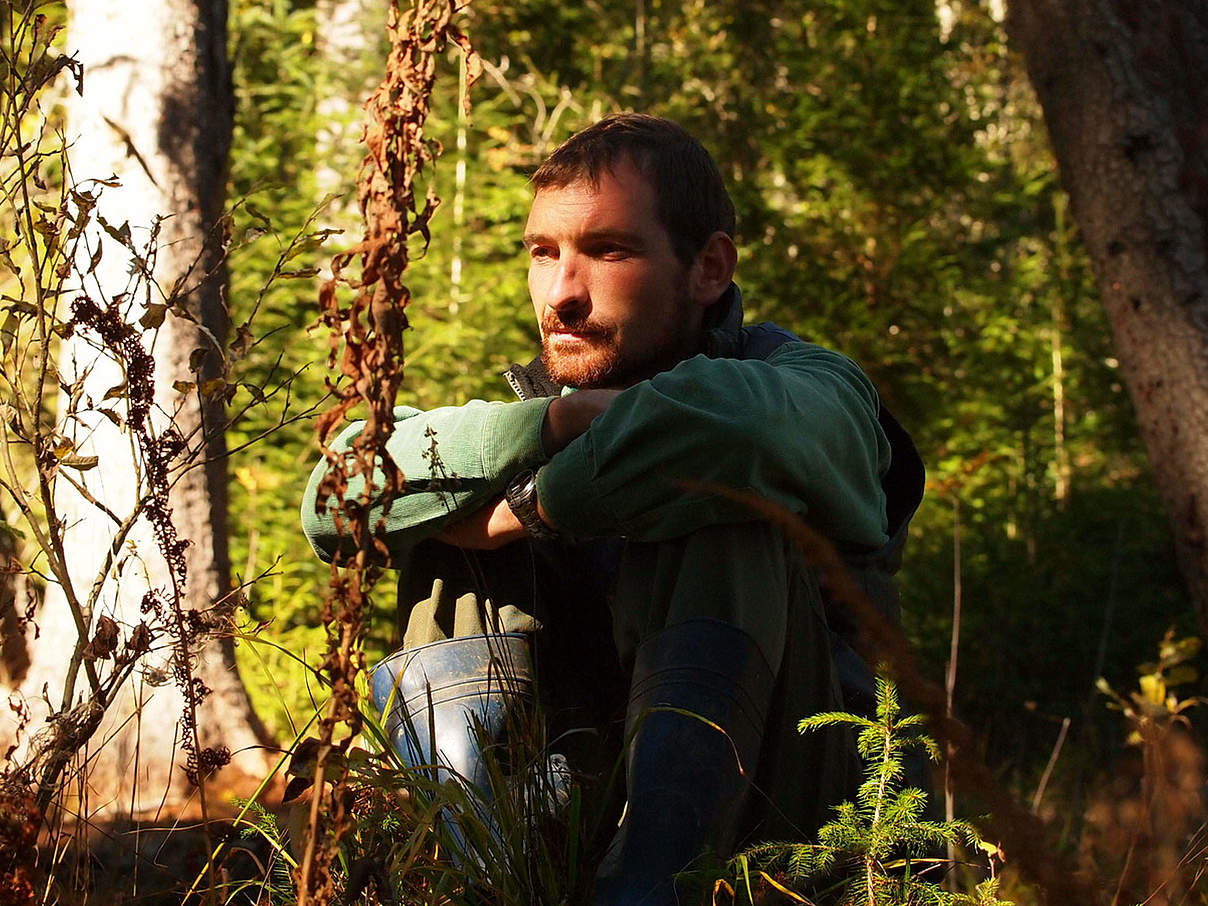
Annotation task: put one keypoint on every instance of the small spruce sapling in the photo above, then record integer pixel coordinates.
(868, 854)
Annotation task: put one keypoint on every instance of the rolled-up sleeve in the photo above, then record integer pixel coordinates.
(453, 459)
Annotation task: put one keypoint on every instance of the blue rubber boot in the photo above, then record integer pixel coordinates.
(697, 708)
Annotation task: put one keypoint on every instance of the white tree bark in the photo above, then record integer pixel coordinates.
(348, 31)
(156, 113)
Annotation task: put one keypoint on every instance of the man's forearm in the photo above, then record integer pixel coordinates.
(799, 428)
(494, 524)
(456, 459)
(569, 416)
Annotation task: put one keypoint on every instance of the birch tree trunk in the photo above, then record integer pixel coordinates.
(1124, 87)
(348, 31)
(155, 112)
(17, 603)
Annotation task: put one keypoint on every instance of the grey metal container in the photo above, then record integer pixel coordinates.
(442, 701)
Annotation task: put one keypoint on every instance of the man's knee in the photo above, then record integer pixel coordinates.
(745, 574)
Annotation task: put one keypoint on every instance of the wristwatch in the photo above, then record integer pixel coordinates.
(521, 496)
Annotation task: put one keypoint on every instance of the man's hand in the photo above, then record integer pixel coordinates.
(494, 525)
(569, 416)
(487, 528)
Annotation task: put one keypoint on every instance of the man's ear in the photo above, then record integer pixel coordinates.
(712, 269)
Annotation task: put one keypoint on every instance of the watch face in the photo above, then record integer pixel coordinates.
(521, 497)
(521, 488)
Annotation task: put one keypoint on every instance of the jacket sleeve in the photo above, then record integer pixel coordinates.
(454, 459)
(799, 428)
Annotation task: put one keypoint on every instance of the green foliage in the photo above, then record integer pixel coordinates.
(1094, 574)
(275, 885)
(279, 80)
(872, 851)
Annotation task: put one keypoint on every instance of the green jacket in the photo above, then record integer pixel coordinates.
(799, 427)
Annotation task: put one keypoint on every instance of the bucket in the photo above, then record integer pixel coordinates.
(443, 701)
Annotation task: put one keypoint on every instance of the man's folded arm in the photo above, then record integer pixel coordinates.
(454, 459)
(799, 428)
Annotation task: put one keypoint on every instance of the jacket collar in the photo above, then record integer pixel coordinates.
(726, 313)
(723, 324)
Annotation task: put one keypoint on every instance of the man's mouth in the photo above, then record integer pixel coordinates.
(569, 332)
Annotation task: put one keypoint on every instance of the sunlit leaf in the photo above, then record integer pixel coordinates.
(1153, 688)
(213, 387)
(80, 463)
(153, 317)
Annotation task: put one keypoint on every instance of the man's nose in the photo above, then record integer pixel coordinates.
(567, 290)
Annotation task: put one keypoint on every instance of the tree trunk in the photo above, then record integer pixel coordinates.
(17, 604)
(348, 33)
(1124, 87)
(156, 111)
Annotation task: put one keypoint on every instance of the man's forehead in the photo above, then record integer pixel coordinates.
(583, 220)
(621, 189)
(624, 172)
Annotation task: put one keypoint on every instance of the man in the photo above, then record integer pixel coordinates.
(720, 628)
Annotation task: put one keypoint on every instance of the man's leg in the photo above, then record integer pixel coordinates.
(725, 624)
(452, 601)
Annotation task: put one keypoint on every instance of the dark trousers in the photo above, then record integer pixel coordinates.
(591, 606)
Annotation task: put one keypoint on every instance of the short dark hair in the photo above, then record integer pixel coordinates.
(691, 199)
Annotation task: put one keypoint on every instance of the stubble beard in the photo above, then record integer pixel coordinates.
(603, 364)
(590, 369)
(597, 366)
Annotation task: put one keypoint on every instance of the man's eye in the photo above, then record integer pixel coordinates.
(540, 252)
(613, 252)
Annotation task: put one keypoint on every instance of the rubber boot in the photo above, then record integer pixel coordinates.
(697, 708)
(444, 701)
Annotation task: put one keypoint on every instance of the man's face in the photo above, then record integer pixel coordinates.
(610, 295)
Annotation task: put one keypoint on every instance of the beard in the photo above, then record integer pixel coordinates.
(594, 362)
(598, 359)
